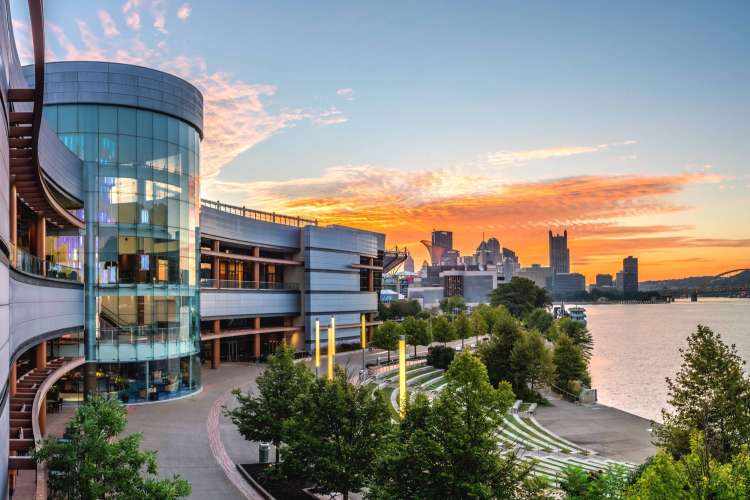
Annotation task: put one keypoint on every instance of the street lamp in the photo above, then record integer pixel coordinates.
(363, 340)
(317, 346)
(331, 346)
(402, 375)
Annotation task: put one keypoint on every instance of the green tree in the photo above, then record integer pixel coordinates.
(453, 305)
(570, 366)
(462, 326)
(696, 475)
(416, 332)
(540, 320)
(611, 483)
(531, 364)
(333, 439)
(478, 324)
(386, 336)
(578, 333)
(520, 296)
(261, 416)
(496, 353)
(443, 330)
(711, 394)
(92, 462)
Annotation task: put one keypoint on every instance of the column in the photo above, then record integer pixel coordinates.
(41, 243)
(12, 379)
(13, 205)
(256, 339)
(256, 267)
(215, 274)
(216, 349)
(370, 275)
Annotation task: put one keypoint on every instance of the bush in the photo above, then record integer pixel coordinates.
(440, 356)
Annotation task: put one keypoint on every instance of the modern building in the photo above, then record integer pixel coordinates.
(409, 264)
(603, 280)
(568, 284)
(510, 264)
(630, 275)
(537, 273)
(488, 253)
(559, 255)
(439, 246)
(620, 281)
(427, 296)
(474, 286)
(114, 277)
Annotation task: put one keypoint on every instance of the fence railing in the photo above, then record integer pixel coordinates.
(248, 285)
(22, 260)
(141, 334)
(259, 214)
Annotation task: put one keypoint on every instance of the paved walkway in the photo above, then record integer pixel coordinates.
(610, 432)
(195, 440)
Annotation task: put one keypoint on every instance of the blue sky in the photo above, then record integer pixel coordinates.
(379, 114)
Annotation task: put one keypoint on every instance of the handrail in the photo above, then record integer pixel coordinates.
(41, 393)
(248, 285)
(24, 261)
(259, 215)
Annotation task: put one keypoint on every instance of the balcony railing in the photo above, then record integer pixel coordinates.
(23, 260)
(272, 217)
(141, 334)
(247, 285)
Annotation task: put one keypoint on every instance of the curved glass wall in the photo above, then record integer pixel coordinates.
(141, 175)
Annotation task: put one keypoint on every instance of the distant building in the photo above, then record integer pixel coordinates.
(630, 275)
(469, 260)
(427, 297)
(510, 264)
(450, 258)
(387, 296)
(619, 281)
(488, 253)
(565, 284)
(441, 243)
(409, 264)
(536, 273)
(604, 280)
(559, 255)
(474, 286)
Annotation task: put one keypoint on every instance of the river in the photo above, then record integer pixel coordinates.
(636, 346)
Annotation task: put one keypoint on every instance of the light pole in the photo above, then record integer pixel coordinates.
(317, 347)
(331, 346)
(402, 376)
(363, 339)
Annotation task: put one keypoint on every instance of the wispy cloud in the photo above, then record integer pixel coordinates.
(108, 24)
(184, 12)
(331, 116)
(132, 15)
(346, 93)
(507, 158)
(159, 12)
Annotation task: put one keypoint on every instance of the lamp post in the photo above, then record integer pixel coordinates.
(317, 347)
(363, 339)
(331, 346)
(402, 375)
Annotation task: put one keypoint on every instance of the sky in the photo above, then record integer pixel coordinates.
(624, 122)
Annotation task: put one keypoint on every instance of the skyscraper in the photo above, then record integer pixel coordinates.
(559, 255)
(442, 242)
(630, 275)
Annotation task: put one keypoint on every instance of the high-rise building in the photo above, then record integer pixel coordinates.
(537, 273)
(630, 275)
(488, 253)
(559, 255)
(441, 243)
(409, 264)
(604, 280)
(568, 284)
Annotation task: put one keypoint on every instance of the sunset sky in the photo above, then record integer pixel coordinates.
(626, 123)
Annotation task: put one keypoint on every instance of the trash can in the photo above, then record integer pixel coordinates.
(263, 451)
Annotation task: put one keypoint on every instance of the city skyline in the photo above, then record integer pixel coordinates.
(634, 145)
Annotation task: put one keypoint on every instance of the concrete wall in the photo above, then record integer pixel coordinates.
(248, 303)
(236, 228)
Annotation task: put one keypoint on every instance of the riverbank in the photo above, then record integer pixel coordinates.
(610, 432)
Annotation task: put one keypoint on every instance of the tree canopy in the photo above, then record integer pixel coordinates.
(443, 330)
(520, 296)
(453, 305)
(462, 326)
(92, 462)
(386, 336)
(571, 370)
(398, 309)
(496, 353)
(531, 363)
(416, 332)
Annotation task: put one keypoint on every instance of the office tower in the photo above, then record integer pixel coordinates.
(559, 255)
(630, 275)
(409, 264)
(604, 280)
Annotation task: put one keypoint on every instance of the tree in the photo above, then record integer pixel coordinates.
(694, 475)
(452, 305)
(570, 366)
(442, 330)
(397, 309)
(578, 333)
(520, 296)
(496, 354)
(710, 394)
(478, 324)
(540, 320)
(462, 326)
(531, 364)
(416, 332)
(611, 483)
(336, 434)
(261, 417)
(92, 463)
(449, 449)
(386, 336)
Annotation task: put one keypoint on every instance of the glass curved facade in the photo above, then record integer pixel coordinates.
(141, 190)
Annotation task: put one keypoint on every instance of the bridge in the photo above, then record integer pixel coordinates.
(711, 284)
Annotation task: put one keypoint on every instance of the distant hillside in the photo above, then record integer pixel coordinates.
(740, 279)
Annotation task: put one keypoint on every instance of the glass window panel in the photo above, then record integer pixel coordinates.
(88, 118)
(126, 121)
(145, 123)
(173, 165)
(145, 151)
(127, 205)
(183, 129)
(71, 142)
(160, 155)
(160, 127)
(50, 116)
(107, 149)
(67, 119)
(88, 147)
(173, 130)
(107, 119)
(127, 154)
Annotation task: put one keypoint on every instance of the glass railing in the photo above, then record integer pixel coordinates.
(272, 217)
(141, 334)
(248, 285)
(22, 260)
(143, 343)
